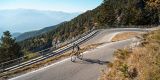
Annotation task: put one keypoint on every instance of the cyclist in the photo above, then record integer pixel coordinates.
(76, 53)
(78, 48)
(74, 45)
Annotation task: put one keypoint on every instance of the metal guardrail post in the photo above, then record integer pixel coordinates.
(1, 68)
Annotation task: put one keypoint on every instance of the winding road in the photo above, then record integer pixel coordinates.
(88, 68)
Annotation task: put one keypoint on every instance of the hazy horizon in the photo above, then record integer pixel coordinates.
(24, 20)
(51, 5)
(40, 10)
(61, 6)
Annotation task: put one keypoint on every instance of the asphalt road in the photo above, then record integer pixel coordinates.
(89, 68)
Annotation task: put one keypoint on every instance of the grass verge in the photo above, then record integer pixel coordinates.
(140, 63)
(124, 36)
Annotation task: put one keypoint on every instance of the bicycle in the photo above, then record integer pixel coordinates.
(77, 54)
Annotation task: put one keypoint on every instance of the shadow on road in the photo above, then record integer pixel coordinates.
(92, 61)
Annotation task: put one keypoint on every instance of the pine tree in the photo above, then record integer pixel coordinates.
(9, 49)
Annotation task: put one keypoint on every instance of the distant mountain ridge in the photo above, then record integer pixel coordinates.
(28, 21)
(16, 34)
(1, 31)
(31, 34)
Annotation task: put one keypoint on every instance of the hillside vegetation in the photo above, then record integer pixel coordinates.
(140, 63)
(109, 13)
(30, 34)
(9, 49)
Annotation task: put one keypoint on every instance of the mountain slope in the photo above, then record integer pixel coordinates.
(1, 31)
(16, 34)
(23, 20)
(110, 12)
(30, 34)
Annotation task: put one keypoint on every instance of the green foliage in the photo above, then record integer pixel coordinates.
(130, 12)
(9, 49)
(110, 12)
(124, 70)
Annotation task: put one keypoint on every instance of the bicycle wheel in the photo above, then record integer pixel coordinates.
(80, 56)
(73, 58)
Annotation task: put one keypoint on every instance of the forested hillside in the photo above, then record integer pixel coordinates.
(110, 12)
(9, 49)
(30, 34)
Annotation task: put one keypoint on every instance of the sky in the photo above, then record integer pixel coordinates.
(70, 6)
(51, 5)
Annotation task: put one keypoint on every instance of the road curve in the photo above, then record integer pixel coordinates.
(89, 67)
(51, 53)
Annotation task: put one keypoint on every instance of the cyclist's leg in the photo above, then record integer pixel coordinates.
(80, 56)
(73, 57)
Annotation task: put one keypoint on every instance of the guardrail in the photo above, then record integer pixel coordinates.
(20, 63)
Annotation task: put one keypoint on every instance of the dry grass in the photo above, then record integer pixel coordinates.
(142, 63)
(124, 36)
(46, 62)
